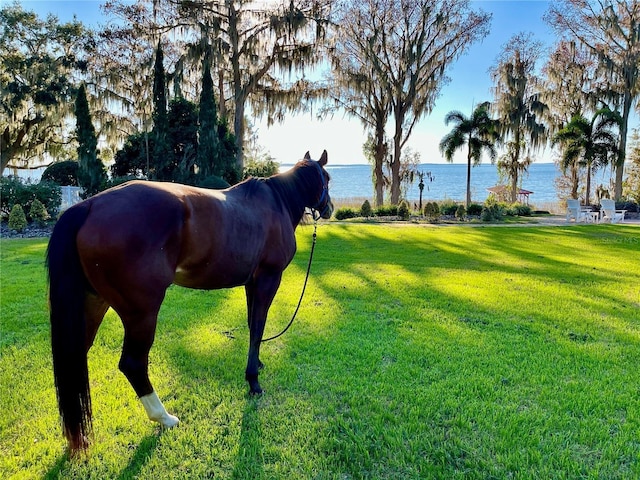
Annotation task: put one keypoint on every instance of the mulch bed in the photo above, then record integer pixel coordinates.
(32, 231)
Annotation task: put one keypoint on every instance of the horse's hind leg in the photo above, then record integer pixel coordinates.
(95, 308)
(139, 333)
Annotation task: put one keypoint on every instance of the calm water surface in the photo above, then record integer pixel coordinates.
(449, 182)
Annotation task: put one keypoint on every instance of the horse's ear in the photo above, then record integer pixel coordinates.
(323, 159)
(307, 156)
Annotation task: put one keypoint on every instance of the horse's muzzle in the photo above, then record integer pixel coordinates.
(325, 212)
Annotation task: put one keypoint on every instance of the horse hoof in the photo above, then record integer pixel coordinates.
(168, 420)
(256, 393)
(254, 387)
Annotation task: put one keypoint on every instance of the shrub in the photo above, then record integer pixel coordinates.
(17, 218)
(460, 212)
(63, 173)
(492, 212)
(14, 191)
(521, 210)
(432, 211)
(448, 208)
(366, 210)
(386, 211)
(115, 181)
(260, 168)
(213, 182)
(474, 209)
(38, 213)
(629, 206)
(403, 210)
(344, 213)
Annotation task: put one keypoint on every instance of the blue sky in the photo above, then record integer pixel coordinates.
(343, 138)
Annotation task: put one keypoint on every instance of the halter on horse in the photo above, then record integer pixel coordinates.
(123, 248)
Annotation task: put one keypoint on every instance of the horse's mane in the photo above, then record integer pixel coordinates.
(295, 188)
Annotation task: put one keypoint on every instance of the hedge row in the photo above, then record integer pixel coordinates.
(433, 211)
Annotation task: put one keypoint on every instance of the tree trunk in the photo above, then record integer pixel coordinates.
(238, 131)
(587, 194)
(626, 109)
(514, 167)
(574, 181)
(395, 161)
(395, 175)
(378, 160)
(468, 200)
(223, 104)
(5, 157)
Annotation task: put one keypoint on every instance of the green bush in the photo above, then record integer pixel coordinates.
(63, 173)
(38, 213)
(366, 210)
(14, 191)
(260, 168)
(344, 213)
(386, 211)
(17, 218)
(460, 212)
(403, 210)
(432, 211)
(474, 209)
(213, 182)
(115, 181)
(448, 207)
(629, 206)
(492, 212)
(521, 210)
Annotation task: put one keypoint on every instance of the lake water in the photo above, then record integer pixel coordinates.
(449, 182)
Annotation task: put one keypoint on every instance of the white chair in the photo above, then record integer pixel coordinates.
(609, 212)
(576, 212)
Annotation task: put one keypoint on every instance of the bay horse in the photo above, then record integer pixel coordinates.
(123, 248)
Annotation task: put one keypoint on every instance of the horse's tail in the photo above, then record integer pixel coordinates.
(67, 290)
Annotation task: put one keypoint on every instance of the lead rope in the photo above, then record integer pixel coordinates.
(304, 286)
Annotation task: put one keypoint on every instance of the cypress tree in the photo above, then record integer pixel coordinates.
(91, 172)
(161, 158)
(208, 158)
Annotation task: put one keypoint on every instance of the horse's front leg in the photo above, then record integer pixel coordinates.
(260, 292)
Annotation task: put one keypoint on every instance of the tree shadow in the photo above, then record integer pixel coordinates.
(249, 461)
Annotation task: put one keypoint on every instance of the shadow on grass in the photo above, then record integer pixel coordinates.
(139, 459)
(143, 453)
(249, 461)
(413, 337)
(56, 470)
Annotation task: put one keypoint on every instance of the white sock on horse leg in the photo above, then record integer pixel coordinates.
(156, 411)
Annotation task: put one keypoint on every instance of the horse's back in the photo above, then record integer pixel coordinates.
(143, 236)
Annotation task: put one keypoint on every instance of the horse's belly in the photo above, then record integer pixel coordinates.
(206, 279)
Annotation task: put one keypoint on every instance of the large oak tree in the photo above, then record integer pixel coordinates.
(406, 48)
(610, 30)
(40, 60)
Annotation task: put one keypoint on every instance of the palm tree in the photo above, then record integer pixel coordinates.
(479, 132)
(589, 142)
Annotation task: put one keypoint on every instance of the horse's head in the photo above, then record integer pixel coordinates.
(321, 201)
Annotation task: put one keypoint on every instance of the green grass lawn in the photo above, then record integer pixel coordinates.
(419, 352)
